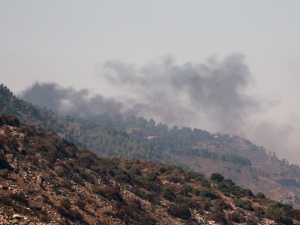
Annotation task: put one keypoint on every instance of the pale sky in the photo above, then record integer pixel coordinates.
(68, 41)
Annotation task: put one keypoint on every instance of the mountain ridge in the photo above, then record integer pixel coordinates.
(236, 158)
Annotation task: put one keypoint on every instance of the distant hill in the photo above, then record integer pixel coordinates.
(136, 137)
(45, 179)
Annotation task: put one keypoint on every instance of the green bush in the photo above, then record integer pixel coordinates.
(207, 193)
(235, 218)
(219, 217)
(244, 204)
(179, 210)
(260, 195)
(168, 194)
(216, 177)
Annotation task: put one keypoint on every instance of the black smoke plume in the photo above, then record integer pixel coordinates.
(68, 101)
(212, 94)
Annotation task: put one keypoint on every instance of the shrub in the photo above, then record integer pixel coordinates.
(216, 177)
(259, 212)
(244, 204)
(294, 213)
(47, 200)
(168, 194)
(191, 222)
(2, 140)
(13, 121)
(251, 222)
(123, 177)
(62, 211)
(152, 186)
(219, 217)
(207, 193)
(4, 199)
(72, 214)
(152, 197)
(278, 211)
(4, 173)
(60, 171)
(260, 195)
(97, 189)
(206, 205)
(19, 197)
(234, 218)
(221, 205)
(196, 192)
(179, 210)
(228, 187)
(81, 204)
(65, 203)
(115, 194)
(75, 215)
(43, 216)
(136, 171)
(173, 178)
(148, 220)
(246, 192)
(108, 192)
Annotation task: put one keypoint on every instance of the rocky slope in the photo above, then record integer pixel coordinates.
(263, 172)
(47, 180)
(248, 165)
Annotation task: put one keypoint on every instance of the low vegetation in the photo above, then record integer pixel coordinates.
(50, 180)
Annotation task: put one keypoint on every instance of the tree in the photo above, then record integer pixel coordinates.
(216, 177)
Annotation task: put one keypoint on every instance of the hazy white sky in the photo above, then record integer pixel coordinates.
(67, 41)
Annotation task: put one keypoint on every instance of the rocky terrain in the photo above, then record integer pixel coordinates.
(47, 180)
(256, 169)
(248, 165)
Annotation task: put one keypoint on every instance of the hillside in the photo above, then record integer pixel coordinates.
(103, 140)
(236, 158)
(48, 180)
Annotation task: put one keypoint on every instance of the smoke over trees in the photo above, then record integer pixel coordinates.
(213, 96)
(68, 101)
(214, 92)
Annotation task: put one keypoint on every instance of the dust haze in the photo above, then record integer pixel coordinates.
(215, 95)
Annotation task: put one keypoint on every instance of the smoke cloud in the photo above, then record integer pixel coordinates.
(211, 95)
(68, 101)
(214, 96)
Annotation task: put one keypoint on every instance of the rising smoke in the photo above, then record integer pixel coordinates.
(68, 101)
(213, 96)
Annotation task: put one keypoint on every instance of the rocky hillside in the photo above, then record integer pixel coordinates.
(48, 180)
(245, 163)
(102, 140)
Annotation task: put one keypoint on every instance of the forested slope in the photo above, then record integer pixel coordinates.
(102, 140)
(136, 137)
